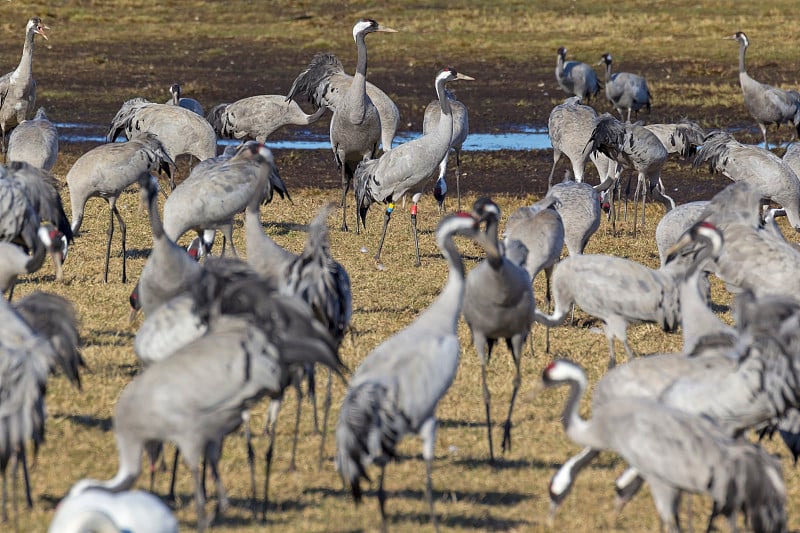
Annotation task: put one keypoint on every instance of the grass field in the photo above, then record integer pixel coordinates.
(100, 54)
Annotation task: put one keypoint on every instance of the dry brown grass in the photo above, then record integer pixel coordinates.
(470, 493)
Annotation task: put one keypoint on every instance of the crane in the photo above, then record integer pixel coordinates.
(106, 171)
(430, 121)
(356, 123)
(395, 389)
(765, 103)
(407, 168)
(576, 78)
(498, 304)
(257, 117)
(676, 452)
(624, 90)
(18, 88)
(187, 103)
(34, 141)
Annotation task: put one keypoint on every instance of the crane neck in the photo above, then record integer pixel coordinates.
(742, 52)
(491, 243)
(25, 66)
(357, 93)
(608, 71)
(444, 101)
(155, 218)
(559, 65)
(448, 303)
(576, 428)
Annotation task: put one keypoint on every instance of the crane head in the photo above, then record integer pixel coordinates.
(365, 26)
(739, 36)
(562, 52)
(37, 26)
(605, 59)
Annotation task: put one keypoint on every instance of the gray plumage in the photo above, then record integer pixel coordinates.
(632, 145)
(680, 138)
(105, 172)
(15, 263)
(624, 90)
(754, 258)
(397, 387)
(579, 207)
(257, 117)
(765, 103)
(675, 223)
(618, 291)
(35, 142)
(18, 88)
(576, 78)
(498, 304)
(407, 168)
(676, 452)
(180, 131)
(215, 192)
(761, 168)
(196, 396)
(187, 103)
(355, 128)
(430, 121)
(570, 127)
(37, 335)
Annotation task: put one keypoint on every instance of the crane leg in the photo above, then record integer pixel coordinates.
(268, 461)
(26, 478)
(292, 464)
(312, 393)
(199, 498)
(548, 273)
(326, 407)
(414, 231)
(171, 494)
(387, 215)
(458, 178)
(382, 498)
(515, 346)
(123, 230)
(556, 157)
(109, 235)
(428, 434)
(479, 346)
(213, 453)
(251, 458)
(5, 498)
(343, 202)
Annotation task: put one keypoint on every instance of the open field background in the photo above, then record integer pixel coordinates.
(102, 53)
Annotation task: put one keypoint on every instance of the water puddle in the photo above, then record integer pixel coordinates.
(521, 138)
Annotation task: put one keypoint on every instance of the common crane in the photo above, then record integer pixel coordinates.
(18, 88)
(407, 168)
(765, 103)
(355, 129)
(257, 117)
(624, 90)
(396, 388)
(498, 304)
(576, 78)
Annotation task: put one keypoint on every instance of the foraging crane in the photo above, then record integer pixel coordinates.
(765, 103)
(257, 117)
(680, 138)
(675, 223)
(761, 168)
(18, 88)
(676, 452)
(197, 395)
(187, 103)
(632, 145)
(315, 277)
(569, 127)
(540, 230)
(407, 168)
(180, 131)
(576, 78)
(39, 333)
(430, 122)
(35, 142)
(105, 172)
(396, 388)
(356, 123)
(101, 510)
(214, 193)
(498, 304)
(29, 196)
(618, 291)
(578, 204)
(625, 90)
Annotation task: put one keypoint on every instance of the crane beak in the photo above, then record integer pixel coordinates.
(683, 242)
(460, 76)
(730, 38)
(40, 31)
(385, 29)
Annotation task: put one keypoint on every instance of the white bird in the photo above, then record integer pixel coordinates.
(407, 168)
(35, 142)
(396, 388)
(101, 511)
(18, 88)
